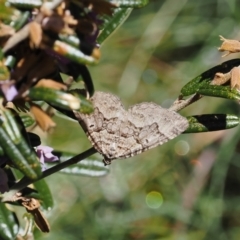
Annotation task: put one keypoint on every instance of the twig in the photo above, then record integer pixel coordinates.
(179, 104)
(24, 182)
(16, 38)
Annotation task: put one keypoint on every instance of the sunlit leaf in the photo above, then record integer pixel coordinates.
(112, 23)
(55, 97)
(27, 120)
(18, 23)
(25, 4)
(15, 130)
(10, 61)
(130, 3)
(72, 40)
(15, 146)
(15, 155)
(92, 167)
(86, 105)
(73, 53)
(219, 91)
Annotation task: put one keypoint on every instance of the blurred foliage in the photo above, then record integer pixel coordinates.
(185, 189)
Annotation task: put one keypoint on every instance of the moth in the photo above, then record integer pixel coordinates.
(117, 133)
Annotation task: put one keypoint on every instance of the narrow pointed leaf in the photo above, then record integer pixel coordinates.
(20, 153)
(86, 105)
(130, 3)
(220, 91)
(15, 155)
(112, 23)
(55, 97)
(27, 120)
(13, 130)
(25, 4)
(92, 167)
(211, 122)
(73, 53)
(44, 194)
(9, 225)
(17, 24)
(205, 78)
(10, 61)
(72, 40)
(87, 167)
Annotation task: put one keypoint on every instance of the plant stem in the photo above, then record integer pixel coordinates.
(179, 104)
(24, 182)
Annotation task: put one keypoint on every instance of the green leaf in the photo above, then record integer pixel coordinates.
(55, 97)
(9, 225)
(86, 105)
(205, 78)
(4, 72)
(15, 155)
(18, 23)
(219, 91)
(72, 40)
(112, 23)
(44, 194)
(211, 122)
(10, 61)
(130, 3)
(92, 167)
(16, 148)
(73, 53)
(87, 167)
(26, 4)
(27, 120)
(31, 161)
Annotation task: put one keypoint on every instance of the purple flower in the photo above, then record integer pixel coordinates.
(44, 154)
(9, 90)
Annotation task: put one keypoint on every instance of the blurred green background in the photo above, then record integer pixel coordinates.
(189, 187)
